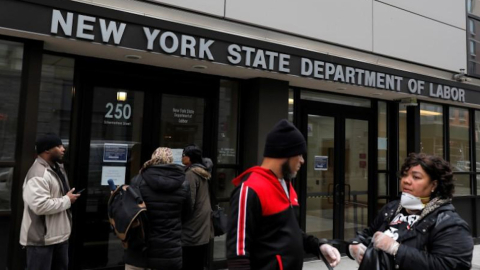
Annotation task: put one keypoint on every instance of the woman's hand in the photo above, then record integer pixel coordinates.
(385, 243)
(357, 251)
(331, 254)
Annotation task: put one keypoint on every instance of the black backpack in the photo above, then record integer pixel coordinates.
(127, 214)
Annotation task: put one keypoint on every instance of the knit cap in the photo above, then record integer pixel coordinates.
(284, 141)
(47, 142)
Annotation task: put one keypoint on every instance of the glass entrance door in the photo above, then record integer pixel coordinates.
(127, 125)
(336, 172)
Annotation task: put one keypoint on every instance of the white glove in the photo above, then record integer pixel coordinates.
(357, 251)
(331, 254)
(385, 243)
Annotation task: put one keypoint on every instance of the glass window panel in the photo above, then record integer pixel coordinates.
(382, 135)
(459, 140)
(473, 7)
(477, 139)
(56, 90)
(11, 57)
(337, 99)
(182, 121)
(431, 129)
(473, 46)
(227, 123)
(462, 185)
(382, 184)
(116, 128)
(478, 184)
(224, 186)
(402, 134)
(321, 146)
(6, 175)
(290, 104)
(356, 176)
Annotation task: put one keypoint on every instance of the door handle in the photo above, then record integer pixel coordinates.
(348, 187)
(330, 193)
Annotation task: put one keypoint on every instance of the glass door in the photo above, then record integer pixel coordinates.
(335, 174)
(115, 153)
(126, 126)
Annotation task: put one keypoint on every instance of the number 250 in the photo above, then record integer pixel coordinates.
(125, 113)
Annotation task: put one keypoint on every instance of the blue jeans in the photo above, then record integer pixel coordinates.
(53, 257)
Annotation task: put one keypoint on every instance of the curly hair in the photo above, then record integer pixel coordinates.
(437, 168)
(161, 155)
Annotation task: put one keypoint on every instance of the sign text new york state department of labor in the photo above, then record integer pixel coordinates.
(169, 42)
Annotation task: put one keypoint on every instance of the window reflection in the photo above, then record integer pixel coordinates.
(473, 44)
(459, 140)
(473, 7)
(227, 123)
(462, 185)
(11, 57)
(431, 129)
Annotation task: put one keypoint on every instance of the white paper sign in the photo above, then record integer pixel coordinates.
(117, 174)
(177, 156)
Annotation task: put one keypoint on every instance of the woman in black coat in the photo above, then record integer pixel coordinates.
(422, 230)
(167, 198)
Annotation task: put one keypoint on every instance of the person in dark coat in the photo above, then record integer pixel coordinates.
(167, 197)
(422, 230)
(198, 230)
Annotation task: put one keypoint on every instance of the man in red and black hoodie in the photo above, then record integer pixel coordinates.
(263, 230)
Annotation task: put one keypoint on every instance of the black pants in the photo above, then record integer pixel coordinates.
(48, 257)
(194, 257)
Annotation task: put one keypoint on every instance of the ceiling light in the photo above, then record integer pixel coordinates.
(121, 96)
(199, 67)
(424, 113)
(133, 57)
(290, 101)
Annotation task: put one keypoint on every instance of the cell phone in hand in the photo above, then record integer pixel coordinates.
(80, 191)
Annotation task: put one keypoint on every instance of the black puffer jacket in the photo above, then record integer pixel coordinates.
(440, 240)
(167, 197)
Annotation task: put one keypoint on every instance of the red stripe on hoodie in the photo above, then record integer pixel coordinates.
(269, 190)
(242, 217)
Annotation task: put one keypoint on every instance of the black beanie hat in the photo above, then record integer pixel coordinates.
(284, 141)
(194, 153)
(47, 142)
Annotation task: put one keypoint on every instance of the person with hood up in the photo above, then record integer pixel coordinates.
(263, 229)
(167, 197)
(198, 230)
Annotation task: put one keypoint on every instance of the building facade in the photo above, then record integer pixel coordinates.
(366, 81)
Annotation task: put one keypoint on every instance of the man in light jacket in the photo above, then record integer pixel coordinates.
(47, 220)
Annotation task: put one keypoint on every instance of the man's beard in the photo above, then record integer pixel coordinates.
(287, 171)
(58, 159)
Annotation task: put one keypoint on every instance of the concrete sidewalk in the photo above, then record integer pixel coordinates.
(348, 264)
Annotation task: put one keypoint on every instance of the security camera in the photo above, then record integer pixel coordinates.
(461, 77)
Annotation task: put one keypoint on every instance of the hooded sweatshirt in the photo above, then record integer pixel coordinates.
(167, 197)
(263, 229)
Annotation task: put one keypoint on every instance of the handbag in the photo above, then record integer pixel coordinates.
(375, 259)
(219, 220)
